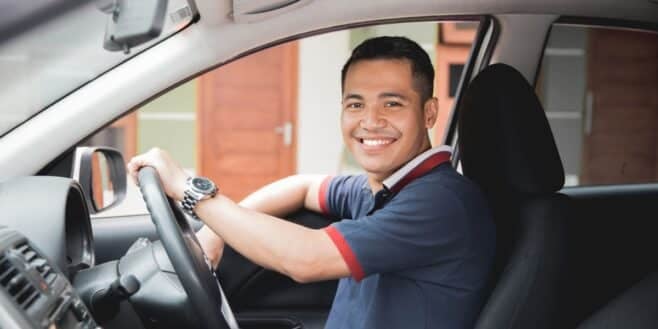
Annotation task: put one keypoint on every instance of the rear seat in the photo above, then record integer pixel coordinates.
(636, 308)
(612, 243)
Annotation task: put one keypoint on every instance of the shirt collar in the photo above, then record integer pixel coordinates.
(417, 167)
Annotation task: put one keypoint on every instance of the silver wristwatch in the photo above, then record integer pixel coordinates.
(198, 189)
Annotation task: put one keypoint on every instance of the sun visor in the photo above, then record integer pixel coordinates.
(247, 11)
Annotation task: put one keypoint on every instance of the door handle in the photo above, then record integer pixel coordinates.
(285, 130)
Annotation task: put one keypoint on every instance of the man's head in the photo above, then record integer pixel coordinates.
(399, 48)
(387, 104)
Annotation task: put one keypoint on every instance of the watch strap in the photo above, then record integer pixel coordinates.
(191, 197)
(188, 204)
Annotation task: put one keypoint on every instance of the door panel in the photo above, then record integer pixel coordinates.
(612, 245)
(599, 87)
(247, 111)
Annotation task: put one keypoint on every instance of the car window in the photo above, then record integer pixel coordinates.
(48, 61)
(599, 88)
(275, 112)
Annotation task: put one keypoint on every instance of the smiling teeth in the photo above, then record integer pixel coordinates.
(373, 142)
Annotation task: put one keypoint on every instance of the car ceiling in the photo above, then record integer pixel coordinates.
(217, 38)
(16, 17)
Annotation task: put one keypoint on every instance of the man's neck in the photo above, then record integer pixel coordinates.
(376, 181)
(376, 184)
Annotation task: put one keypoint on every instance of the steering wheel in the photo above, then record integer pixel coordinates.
(186, 255)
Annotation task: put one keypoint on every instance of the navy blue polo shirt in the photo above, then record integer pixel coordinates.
(419, 251)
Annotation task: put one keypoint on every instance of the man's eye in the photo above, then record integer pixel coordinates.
(354, 106)
(393, 104)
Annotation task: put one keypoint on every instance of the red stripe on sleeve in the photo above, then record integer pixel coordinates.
(322, 195)
(346, 252)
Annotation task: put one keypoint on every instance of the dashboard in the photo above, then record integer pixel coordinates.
(45, 239)
(33, 293)
(48, 275)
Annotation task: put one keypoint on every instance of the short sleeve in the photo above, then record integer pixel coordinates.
(414, 230)
(338, 194)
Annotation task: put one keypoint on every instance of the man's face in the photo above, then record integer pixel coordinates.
(384, 121)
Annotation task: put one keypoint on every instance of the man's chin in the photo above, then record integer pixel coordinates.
(377, 171)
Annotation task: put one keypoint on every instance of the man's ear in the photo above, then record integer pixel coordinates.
(431, 111)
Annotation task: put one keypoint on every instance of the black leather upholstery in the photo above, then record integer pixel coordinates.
(506, 142)
(507, 147)
(612, 246)
(636, 308)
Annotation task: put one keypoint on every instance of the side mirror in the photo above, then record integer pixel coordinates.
(101, 173)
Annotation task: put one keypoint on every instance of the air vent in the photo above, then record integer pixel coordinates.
(24, 274)
(16, 284)
(37, 262)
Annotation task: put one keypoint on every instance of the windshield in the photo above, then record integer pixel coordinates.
(56, 55)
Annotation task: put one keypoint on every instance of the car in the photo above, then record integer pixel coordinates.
(551, 107)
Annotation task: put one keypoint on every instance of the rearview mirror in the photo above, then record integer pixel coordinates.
(102, 175)
(132, 22)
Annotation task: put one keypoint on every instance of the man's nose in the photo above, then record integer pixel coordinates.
(372, 119)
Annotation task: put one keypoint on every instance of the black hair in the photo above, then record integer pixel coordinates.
(397, 48)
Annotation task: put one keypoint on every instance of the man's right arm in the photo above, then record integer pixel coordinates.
(277, 199)
(286, 195)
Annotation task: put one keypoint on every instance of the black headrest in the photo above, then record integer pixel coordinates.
(505, 142)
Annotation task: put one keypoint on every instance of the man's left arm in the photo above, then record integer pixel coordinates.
(299, 252)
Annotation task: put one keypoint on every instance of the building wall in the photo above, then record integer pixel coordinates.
(320, 61)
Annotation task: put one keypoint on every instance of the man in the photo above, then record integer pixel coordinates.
(415, 242)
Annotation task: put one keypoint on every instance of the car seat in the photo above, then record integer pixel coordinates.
(505, 145)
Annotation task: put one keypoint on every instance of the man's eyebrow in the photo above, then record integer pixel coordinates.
(352, 96)
(393, 94)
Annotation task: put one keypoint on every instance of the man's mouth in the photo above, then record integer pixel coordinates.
(375, 144)
(376, 141)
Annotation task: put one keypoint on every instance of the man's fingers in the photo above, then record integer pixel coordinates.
(133, 167)
(164, 165)
(133, 177)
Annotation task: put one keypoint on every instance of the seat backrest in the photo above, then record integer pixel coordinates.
(507, 147)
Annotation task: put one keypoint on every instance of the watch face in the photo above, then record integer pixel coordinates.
(202, 184)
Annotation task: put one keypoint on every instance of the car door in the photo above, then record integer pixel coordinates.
(183, 120)
(598, 85)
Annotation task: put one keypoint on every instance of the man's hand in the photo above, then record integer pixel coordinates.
(173, 179)
(172, 176)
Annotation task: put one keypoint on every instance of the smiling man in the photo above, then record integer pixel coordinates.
(414, 241)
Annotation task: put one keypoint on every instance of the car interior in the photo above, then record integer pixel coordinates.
(573, 250)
